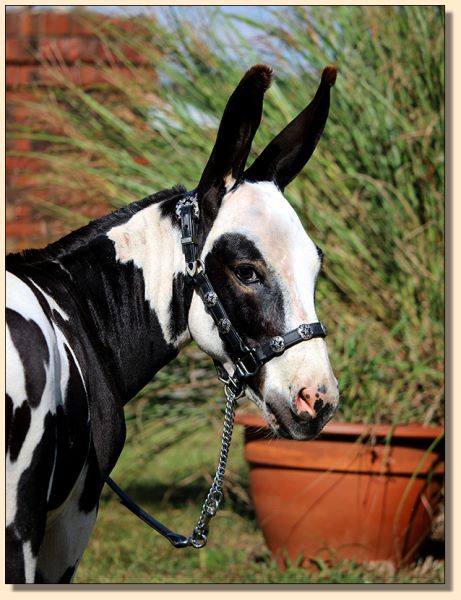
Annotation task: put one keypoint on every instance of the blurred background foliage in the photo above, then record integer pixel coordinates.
(372, 196)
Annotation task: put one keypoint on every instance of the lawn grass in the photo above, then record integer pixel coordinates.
(172, 487)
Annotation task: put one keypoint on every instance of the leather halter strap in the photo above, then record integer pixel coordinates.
(246, 361)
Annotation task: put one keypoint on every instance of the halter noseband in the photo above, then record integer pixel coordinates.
(246, 361)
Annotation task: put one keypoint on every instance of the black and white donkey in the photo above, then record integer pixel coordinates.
(92, 317)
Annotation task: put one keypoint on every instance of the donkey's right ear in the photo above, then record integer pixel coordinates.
(290, 150)
(238, 126)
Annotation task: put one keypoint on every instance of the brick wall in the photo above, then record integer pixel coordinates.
(38, 46)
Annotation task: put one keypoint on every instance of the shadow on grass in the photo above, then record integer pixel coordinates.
(180, 496)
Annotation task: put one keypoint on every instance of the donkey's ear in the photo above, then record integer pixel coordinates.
(238, 126)
(287, 154)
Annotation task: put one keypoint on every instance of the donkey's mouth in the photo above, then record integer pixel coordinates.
(284, 421)
(280, 415)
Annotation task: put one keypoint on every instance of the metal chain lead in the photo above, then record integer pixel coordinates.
(198, 538)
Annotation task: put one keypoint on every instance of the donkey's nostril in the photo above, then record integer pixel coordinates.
(305, 402)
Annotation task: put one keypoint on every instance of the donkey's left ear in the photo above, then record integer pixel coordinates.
(287, 154)
(238, 126)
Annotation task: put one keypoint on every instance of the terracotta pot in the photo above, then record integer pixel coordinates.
(358, 492)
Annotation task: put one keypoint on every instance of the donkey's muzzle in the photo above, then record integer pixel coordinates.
(309, 401)
(304, 417)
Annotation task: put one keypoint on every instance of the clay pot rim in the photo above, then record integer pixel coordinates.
(341, 428)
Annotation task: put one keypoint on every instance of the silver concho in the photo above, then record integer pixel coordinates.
(305, 331)
(210, 299)
(188, 201)
(277, 344)
(324, 328)
(224, 326)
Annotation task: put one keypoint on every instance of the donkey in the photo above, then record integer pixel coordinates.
(92, 317)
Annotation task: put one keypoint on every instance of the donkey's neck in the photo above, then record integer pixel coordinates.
(141, 296)
(125, 280)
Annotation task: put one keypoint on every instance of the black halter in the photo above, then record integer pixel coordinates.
(246, 361)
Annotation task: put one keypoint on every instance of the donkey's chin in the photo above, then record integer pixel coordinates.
(285, 423)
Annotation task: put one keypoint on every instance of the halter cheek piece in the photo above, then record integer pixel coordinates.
(246, 363)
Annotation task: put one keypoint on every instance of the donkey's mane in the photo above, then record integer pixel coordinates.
(87, 233)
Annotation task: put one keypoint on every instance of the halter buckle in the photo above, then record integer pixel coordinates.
(187, 212)
(221, 372)
(247, 365)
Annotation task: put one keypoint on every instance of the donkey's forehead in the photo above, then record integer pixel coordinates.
(262, 202)
(261, 212)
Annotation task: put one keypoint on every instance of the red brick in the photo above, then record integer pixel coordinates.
(19, 50)
(51, 49)
(18, 145)
(17, 113)
(17, 211)
(21, 182)
(36, 24)
(71, 50)
(20, 164)
(24, 23)
(97, 210)
(19, 75)
(81, 25)
(88, 75)
(13, 244)
(49, 75)
(18, 97)
(11, 25)
(22, 211)
(55, 24)
(20, 107)
(134, 55)
(10, 212)
(25, 229)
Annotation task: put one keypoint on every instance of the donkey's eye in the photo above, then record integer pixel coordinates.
(247, 274)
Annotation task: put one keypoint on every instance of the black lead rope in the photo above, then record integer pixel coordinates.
(178, 540)
(246, 363)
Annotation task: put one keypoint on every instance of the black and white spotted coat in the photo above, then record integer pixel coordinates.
(82, 339)
(94, 316)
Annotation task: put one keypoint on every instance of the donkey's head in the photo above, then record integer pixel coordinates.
(261, 261)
